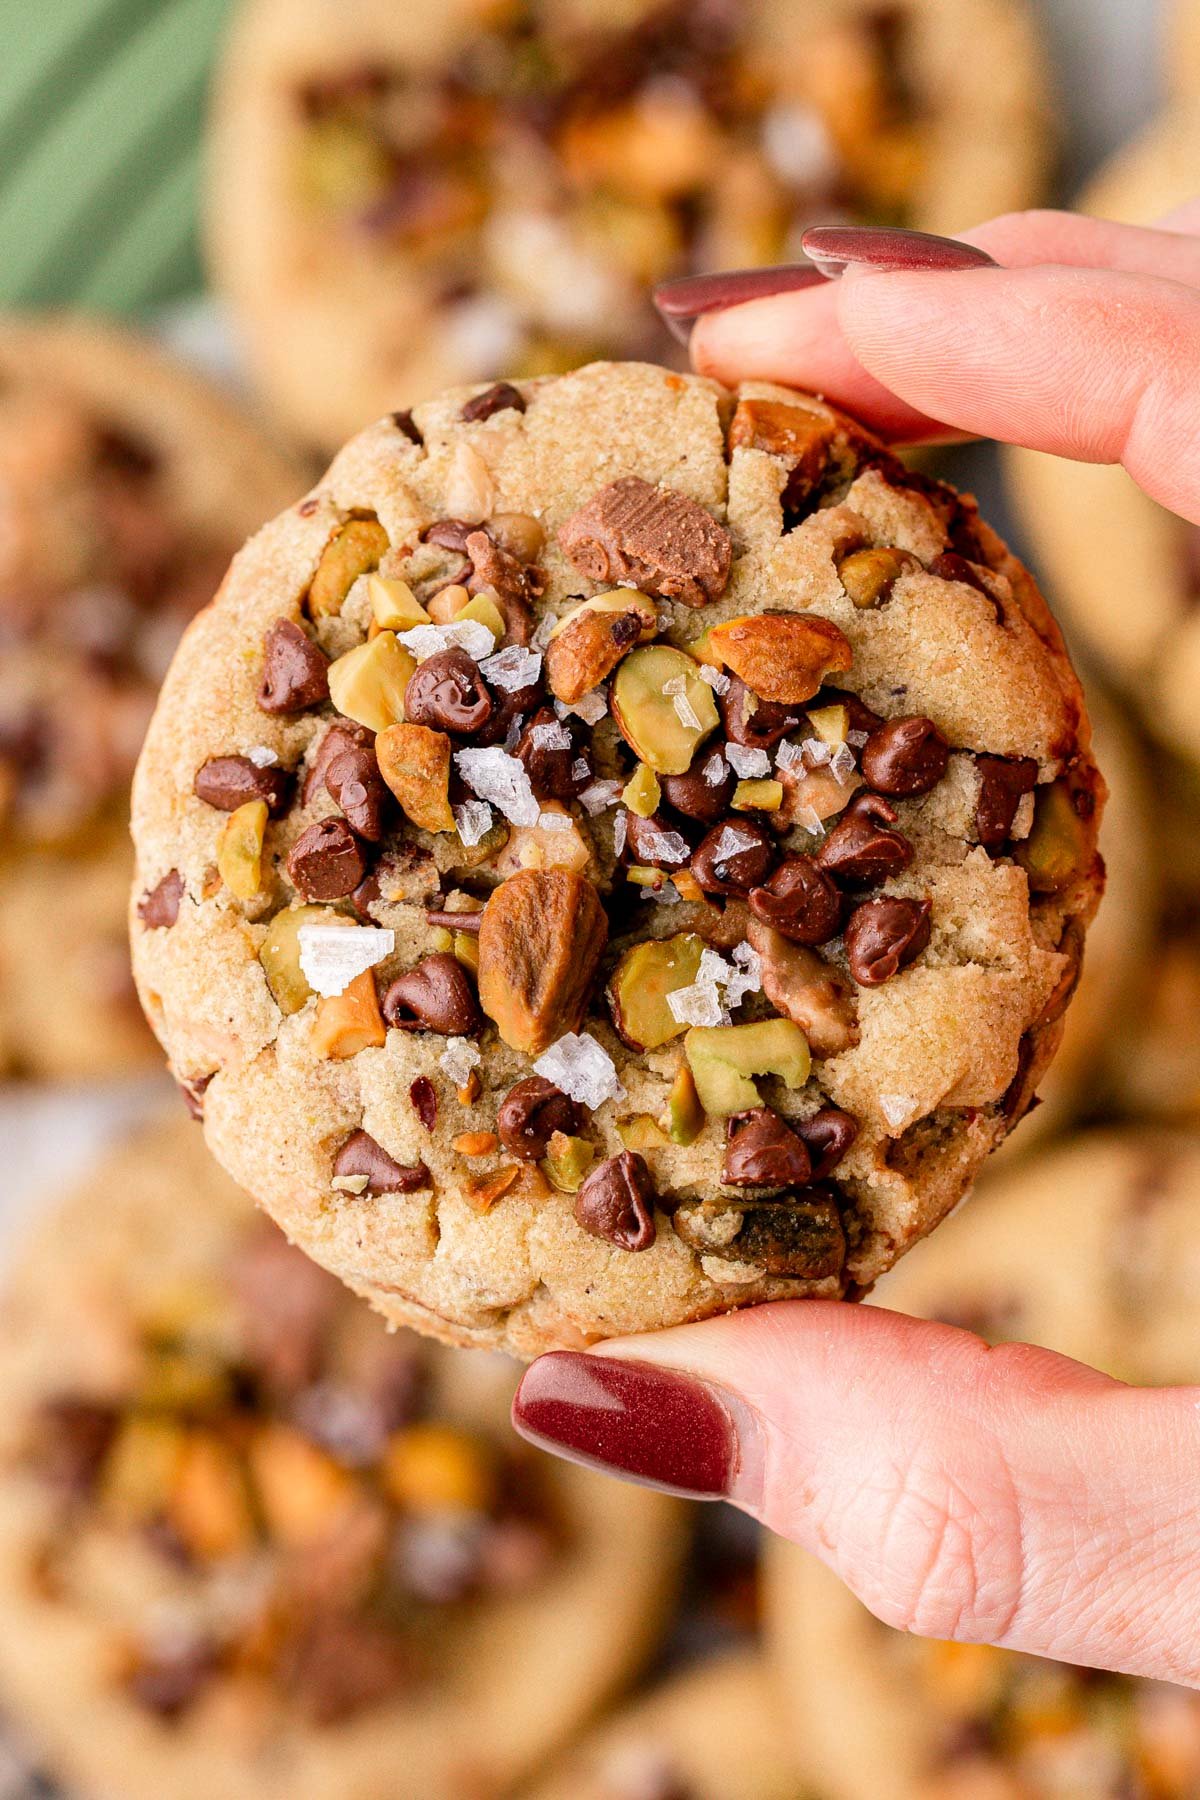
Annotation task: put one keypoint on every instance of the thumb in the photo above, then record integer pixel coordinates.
(1006, 1495)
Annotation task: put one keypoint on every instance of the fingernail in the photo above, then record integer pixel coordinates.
(835, 248)
(653, 1425)
(682, 302)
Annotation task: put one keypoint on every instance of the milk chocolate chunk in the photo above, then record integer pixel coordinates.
(661, 541)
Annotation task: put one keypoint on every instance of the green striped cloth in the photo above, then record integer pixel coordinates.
(101, 113)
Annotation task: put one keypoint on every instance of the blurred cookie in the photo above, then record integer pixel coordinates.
(1113, 1283)
(1181, 61)
(252, 1545)
(126, 484)
(401, 199)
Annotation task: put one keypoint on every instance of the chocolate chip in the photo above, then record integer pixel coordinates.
(858, 713)
(495, 571)
(407, 427)
(883, 936)
(295, 670)
(860, 847)
(342, 736)
(508, 704)
(228, 782)
(71, 1439)
(827, 1136)
(762, 1150)
(354, 782)
(1003, 783)
(531, 1112)
(450, 534)
(171, 1680)
(343, 1665)
(758, 724)
(192, 1093)
(493, 400)
(424, 1099)
(654, 843)
(905, 756)
(734, 857)
(952, 567)
(550, 767)
(326, 861)
(800, 901)
(436, 995)
(661, 541)
(448, 693)
(694, 795)
(616, 1202)
(361, 1155)
(159, 907)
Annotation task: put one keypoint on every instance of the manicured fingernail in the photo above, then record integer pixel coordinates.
(835, 248)
(681, 302)
(651, 1424)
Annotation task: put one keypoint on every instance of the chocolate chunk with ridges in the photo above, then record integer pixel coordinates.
(758, 724)
(661, 541)
(295, 670)
(616, 1202)
(827, 1136)
(494, 570)
(493, 400)
(159, 907)
(228, 782)
(884, 936)
(800, 1236)
(423, 1096)
(436, 995)
(800, 901)
(734, 856)
(342, 736)
(861, 847)
(762, 1150)
(447, 693)
(694, 795)
(550, 767)
(1003, 783)
(354, 782)
(326, 861)
(531, 1112)
(362, 1155)
(905, 756)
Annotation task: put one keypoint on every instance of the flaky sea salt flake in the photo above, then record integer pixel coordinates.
(747, 763)
(332, 956)
(500, 779)
(262, 756)
(699, 1004)
(458, 1059)
(470, 635)
(717, 680)
(473, 819)
(685, 712)
(582, 1068)
(591, 707)
(599, 796)
(551, 737)
(897, 1109)
(511, 669)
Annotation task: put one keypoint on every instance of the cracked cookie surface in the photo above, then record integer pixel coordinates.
(543, 1019)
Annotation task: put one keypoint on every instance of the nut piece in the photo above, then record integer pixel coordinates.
(394, 606)
(616, 1202)
(762, 1150)
(860, 847)
(1003, 783)
(228, 782)
(544, 846)
(802, 438)
(567, 1161)
(295, 670)
(884, 936)
(352, 551)
(905, 756)
(589, 641)
(540, 942)
(158, 908)
(683, 1116)
(415, 763)
(1060, 847)
(723, 1057)
(368, 683)
(663, 707)
(531, 1113)
(239, 853)
(346, 1023)
(802, 1238)
(434, 996)
(783, 657)
(806, 989)
(360, 1155)
(326, 861)
(869, 576)
(642, 792)
(640, 983)
(279, 954)
(800, 901)
(448, 693)
(656, 539)
(757, 796)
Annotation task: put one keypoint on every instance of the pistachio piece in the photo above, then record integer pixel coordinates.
(642, 793)
(642, 1132)
(640, 983)
(829, 723)
(394, 606)
(783, 657)
(541, 938)
(1059, 848)
(368, 683)
(448, 603)
(806, 989)
(683, 1118)
(589, 641)
(239, 852)
(567, 1161)
(348, 1022)
(757, 796)
(869, 576)
(724, 1057)
(279, 954)
(802, 1238)
(414, 760)
(663, 707)
(544, 846)
(483, 609)
(352, 551)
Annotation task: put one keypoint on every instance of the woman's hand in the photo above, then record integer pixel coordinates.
(1008, 1496)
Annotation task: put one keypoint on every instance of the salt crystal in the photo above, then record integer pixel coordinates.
(551, 737)
(699, 1004)
(716, 680)
(666, 895)
(591, 708)
(501, 779)
(582, 1068)
(458, 1059)
(511, 669)
(816, 752)
(746, 762)
(732, 840)
(262, 756)
(685, 712)
(552, 821)
(470, 635)
(897, 1109)
(600, 796)
(620, 831)
(669, 845)
(747, 977)
(842, 763)
(474, 820)
(544, 632)
(856, 739)
(713, 968)
(512, 736)
(788, 755)
(809, 819)
(332, 956)
(715, 769)
(581, 768)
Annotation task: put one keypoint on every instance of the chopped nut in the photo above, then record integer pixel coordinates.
(757, 796)
(483, 1191)
(806, 989)
(869, 576)
(279, 954)
(414, 760)
(348, 1022)
(829, 723)
(469, 1092)
(661, 540)
(433, 1468)
(305, 1496)
(484, 609)
(239, 852)
(475, 1143)
(663, 707)
(1060, 846)
(783, 657)
(567, 1161)
(448, 604)
(352, 551)
(642, 793)
(683, 1120)
(723, 1057)
(641, 982)
(394, 606)
(544, 846)
(540, 941)
(802, 1238)
(368, 683)
(804, 439)
(470, 492)
(519, 533)
(589, 641)
(642, 1132)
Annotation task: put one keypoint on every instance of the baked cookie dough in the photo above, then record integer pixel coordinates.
(252, 1545)
(1182, 60)
(1113, 1283)
(126, 484)
(406, 197)
(1097, 539)
(617, 851)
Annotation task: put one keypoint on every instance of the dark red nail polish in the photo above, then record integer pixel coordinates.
(835, 248)
(683, 301)
(658, 1427)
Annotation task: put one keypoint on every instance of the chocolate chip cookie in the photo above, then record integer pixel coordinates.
(253, 1545)
(615, 858)
(1091, 1252)
(125, 486)
(405, 198)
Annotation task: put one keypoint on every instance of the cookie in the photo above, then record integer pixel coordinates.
(1111, 1282)
(706, 920)
(126, 484)
(405, 198)
(250, 1544)
(1096, 537)
(714, 1732)
(1181, 64)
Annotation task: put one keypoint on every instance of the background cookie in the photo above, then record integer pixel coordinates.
(251, 1544)
(1091, 1252)
(404, 199)
(419, 1164)
(126, 484)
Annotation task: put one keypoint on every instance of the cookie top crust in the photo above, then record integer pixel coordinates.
(616, 851)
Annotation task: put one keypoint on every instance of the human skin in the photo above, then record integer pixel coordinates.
(1009, 1495)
